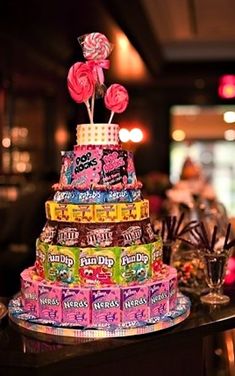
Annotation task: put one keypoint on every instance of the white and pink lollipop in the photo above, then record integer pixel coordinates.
(96, 46)
(116, 99)
(81, 84)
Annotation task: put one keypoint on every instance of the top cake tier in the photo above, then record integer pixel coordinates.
(97, 134)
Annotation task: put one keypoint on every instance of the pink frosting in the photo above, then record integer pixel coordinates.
(116, 98)
(81, 82)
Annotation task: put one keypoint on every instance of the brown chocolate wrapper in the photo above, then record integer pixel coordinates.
(97, 235)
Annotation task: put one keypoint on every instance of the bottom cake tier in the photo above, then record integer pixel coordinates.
(93, 307)
(67, 334)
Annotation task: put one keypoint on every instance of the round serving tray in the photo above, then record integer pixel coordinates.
(24, 320)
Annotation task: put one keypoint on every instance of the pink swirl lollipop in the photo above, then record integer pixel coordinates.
(116, 99)
(96, 46)
(80, 82)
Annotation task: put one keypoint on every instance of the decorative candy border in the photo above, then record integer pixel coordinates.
(100, 213)
(172, 318)
(98, 187)
(97, 197)
(95, 147)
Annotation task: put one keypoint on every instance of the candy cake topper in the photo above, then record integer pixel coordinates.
(86, 80)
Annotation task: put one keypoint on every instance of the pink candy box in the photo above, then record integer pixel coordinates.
(75, 306)
(29, 290)
(172, 289)
(106, 306)
(49, 302)
(134, 305)
(87, 166)
(158, 298)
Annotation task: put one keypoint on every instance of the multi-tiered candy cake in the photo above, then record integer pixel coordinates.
(98, 262)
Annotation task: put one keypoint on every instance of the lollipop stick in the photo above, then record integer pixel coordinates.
(92, 106)
(89, 111)
(111, 117)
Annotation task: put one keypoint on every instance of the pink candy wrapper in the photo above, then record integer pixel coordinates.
(172, 289)
(75, 306)
(134, 305)
(105, 307)
(49, 303)
(158, 298)
(29, 290)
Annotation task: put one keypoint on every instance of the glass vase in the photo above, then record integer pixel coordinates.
(190, 270)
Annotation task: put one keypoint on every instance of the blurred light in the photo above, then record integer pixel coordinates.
(186, 110)
(6, 142)
(206, 157)
(229, 135)
(229, 117)
(123, 41)
(128, 63)
(124, 135)
(21, 167)
(226, 87)
(178, 135)
(6, 161)
(61, 136)
(19, 135)
(25, 156)
(136, 135)
(230, 350)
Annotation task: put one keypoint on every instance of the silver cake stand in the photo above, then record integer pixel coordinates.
(27, 321)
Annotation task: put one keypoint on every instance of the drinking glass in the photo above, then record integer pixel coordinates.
(215, 264)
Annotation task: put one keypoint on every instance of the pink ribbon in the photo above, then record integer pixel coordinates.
(97, 67)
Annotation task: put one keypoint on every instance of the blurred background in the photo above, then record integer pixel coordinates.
(176, 58)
